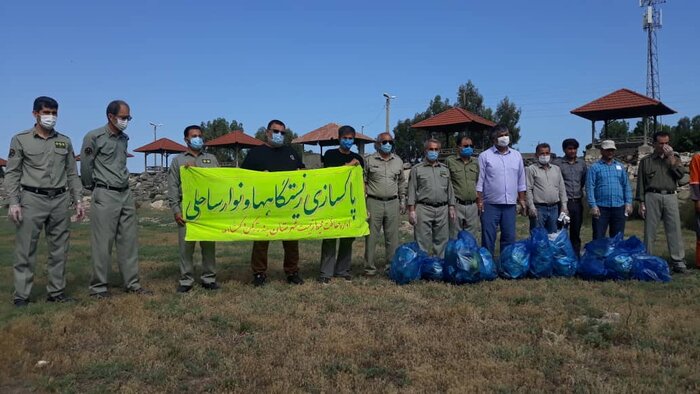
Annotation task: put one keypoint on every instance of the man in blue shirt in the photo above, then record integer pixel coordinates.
(609, 193)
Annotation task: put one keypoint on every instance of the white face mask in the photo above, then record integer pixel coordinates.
(544, 159)
(122, 124)
(503, 141)
(47, 121)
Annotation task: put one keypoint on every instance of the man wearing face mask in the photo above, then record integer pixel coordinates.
(431, 201)
(657, 183)
(501, 184)
(385, 186)
(573, 170)
(546, 191)
(275, 156)
(41, 170)
(193, 157)
(464, 172)
(333, 265)
(113, 212)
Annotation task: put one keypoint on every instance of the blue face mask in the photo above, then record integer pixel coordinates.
(432, 155)
(347, 143)
(277, 139)
(386, 148)
(466, 152)
(197, 143)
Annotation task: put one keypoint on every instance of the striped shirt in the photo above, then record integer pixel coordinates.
(608, 185)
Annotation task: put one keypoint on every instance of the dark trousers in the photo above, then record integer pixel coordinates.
(258, 260)
(332, 265)
(576, 214)
(546, 218)
(612, 217)
(496, 215)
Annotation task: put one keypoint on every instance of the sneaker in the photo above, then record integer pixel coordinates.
(259, 280)
(60, 298)
(21, 303)
(140, 291)
(295, 279)
(324, 281)
(183, 289)
(211, 286)
(101, 295)
(680, 270)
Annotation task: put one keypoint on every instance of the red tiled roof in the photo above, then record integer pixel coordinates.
(162, 145)
(3, 162)
(622, 104)
(453, 116)
(77, 157)
(327, 136)
(235, 138)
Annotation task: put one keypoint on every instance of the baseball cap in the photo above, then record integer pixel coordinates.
(607, 144)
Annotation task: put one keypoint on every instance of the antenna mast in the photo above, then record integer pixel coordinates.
(651, 22)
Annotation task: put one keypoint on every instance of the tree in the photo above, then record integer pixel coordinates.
(615, 129)
(216, 128)
(469, 98)
(509, 115)
(409, 142)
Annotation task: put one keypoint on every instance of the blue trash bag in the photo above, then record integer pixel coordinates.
(541, 254)
(515, 260)
(602, 247)
(431, 268)
(487, 268)
(619, 262)
(462, 260)
(650, 269)
(565, 258)
(592, 267)
(405, 266)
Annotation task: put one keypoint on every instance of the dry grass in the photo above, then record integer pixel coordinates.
(369, 335)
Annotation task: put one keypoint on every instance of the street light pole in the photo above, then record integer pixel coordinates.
(388, 109)
(155, 131)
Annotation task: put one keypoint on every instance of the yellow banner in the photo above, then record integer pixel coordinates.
(231, 204)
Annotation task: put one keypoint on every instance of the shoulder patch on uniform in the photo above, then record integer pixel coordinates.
(11, 154)
(88, 151)
(60, 144)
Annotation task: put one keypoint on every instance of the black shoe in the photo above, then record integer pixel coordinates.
(140, 291)
(211, 286)
(259, 280)
(323, 280)
(21, 302)
(679, 270)
(295, 279)
(183, 289)
(101, 295)
(60, 298)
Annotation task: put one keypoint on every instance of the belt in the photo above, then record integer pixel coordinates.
(45, 191)
(382, 198)
(116, 189)
(657, 191)
(546, 205)
(465, 202)
(433, 204)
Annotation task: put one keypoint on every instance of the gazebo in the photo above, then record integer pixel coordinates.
(328, 136)
(621, 104)
(235, 140)
(163, 147)
(456, 120)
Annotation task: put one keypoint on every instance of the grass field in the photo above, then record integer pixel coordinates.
(369, 335)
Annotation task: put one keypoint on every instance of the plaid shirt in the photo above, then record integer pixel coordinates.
(608, 185)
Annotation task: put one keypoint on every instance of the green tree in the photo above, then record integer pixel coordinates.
(216, 128)
(615, 129)
(509, 115)
(469, 98)
(409, 141)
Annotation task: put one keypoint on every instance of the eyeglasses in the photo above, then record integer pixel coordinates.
(468, 146)
(278, 131)
(127, 117)
(390, 142)
(347, 138)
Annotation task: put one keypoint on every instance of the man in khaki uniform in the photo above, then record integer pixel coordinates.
(113, 212)
(194, 157)
(385, 186)
(431, 201)
(657, 181)
(41, 170)
(464, 172)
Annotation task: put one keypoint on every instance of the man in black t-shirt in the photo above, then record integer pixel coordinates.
(274, 156)
(330, 264)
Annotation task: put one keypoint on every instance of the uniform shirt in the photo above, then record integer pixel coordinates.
(430, 183)
(205, 160)
(608, 185)
(695, 177)
(42, 163)
(384, 178)
(463, 176)
(501, 176)
(574, 175)
(545, 185)
(267, 158)
(655, 172)
(336, 158)
(103, 158)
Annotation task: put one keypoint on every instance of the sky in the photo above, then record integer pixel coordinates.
(312, 62)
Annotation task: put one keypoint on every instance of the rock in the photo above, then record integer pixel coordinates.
(159, 204)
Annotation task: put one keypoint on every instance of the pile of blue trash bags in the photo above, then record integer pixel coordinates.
(540, 256)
